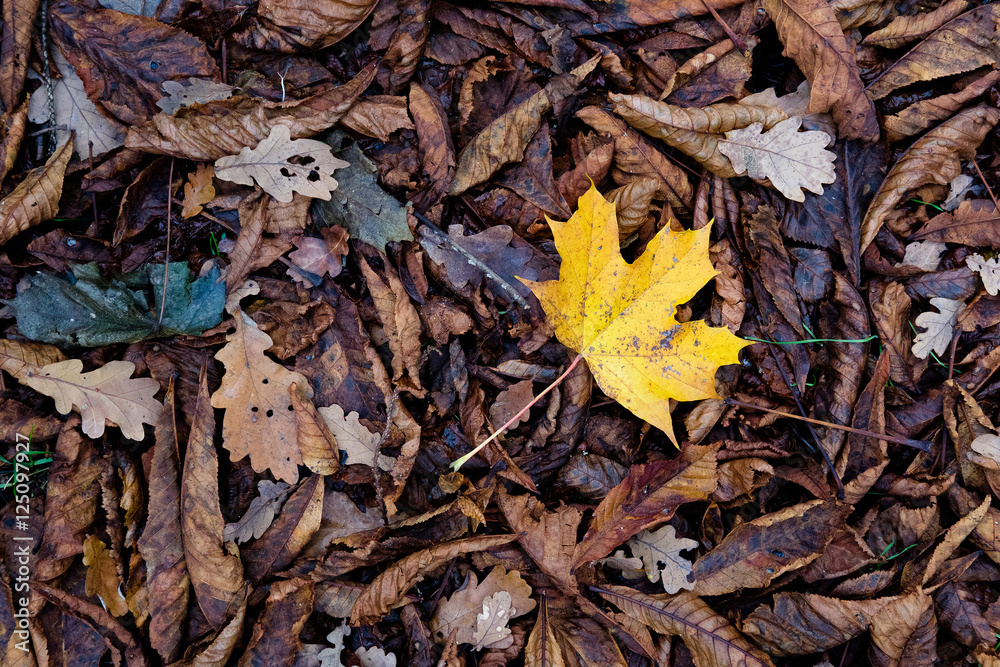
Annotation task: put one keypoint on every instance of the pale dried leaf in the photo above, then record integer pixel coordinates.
(76, 115)
(259, 419)
(374, 656)
(925, 255)
(789, 159)
(330, 657)
(988, 270)
(491, 622)
(940, 326)
(660, 551)
(258, 517)
(354, 439)
(105, 394)
(195, 91)
(282, 166)
(987, 444)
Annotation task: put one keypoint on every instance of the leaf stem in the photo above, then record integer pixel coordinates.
(917, 444)
(465, 459)
(813, 340)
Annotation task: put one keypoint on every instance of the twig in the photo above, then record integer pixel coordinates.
(462, 461)
(46, 73)
(737, 40)
(166, 257)
(988, 188)
(916, 444)
(474, 261)
(93, 195)
(798, 402)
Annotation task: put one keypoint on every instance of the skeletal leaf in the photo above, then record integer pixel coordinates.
(105, 394)
(282, 166)
(789, 159)
(939, 327)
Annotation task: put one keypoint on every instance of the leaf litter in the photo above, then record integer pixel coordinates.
(511, 317)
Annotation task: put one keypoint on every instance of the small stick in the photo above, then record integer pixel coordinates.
(462, 461)
(988, 188)
(166, 258)
(917, 444)
(737, 40)
(93, 195)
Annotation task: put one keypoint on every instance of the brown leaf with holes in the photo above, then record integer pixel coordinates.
(259, 420)
(36, 198)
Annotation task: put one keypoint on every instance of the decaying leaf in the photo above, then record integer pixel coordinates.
(940, 326)
(196, 91)
(36, 198)
(281, 166)
(259, 418)
(620, 316)
(359, 444)
(480, 611)
(661, 558)
(789, 159)
(988, 270)
(198, 190)
(260, 514)
(107, 394)
(102, 576)
(319, 257)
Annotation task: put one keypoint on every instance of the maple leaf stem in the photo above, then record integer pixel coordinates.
(917, 444)
(465, 459)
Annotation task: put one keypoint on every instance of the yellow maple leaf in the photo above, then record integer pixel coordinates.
(620, 316)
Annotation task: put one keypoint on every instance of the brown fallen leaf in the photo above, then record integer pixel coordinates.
(162, 544)
(756, 552)
(259, 419)
(711, 639)
(505, 139)
(295, 25)
(320, 257)
(276, 635)
(542, 649)
(15, 49)
(934, 158)
(815, 41)
(281, 166)
(360, 445)
(198, 190)
(36, 198)
(107, 394)
(215, 567)
(904, 632)
(905, 29)
(12, 125)
(388, 588)
(258, 517)
(196, 91)
(960, 45)
(102, 576)
(661, 558)
(291, 531)
(480, 620)
(649, 496)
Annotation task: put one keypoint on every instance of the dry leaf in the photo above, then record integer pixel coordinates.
(660, 551)
(905, 29)
(198, 191)
(934, 158)
(360, 445)
(36, 198)
(197, 91)
(258, 517)
(478, 614)
(259, 419)
(76, 116)
(620, 316)
(509, 402)
(295, 25)
(107, 394)
(282, 166)
(987, 444)
(320, 257)
(988, 270)
(789, 159)
(102, 576)
(542, 649)
(815, 41)
(924, 255)
(940, 326)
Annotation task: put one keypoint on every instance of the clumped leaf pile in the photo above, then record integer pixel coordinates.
(558, 333)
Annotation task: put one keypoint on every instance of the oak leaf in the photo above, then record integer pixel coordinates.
(620, 316)
(939, 327)
(789, 159)
(660, 551)
(196, 91)
(105, 394)
(198, 190)
(354, 439)
(480, 611)
(988, 270)
(259, 419)
(260, 514)
(102, 576)
(282, 166)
